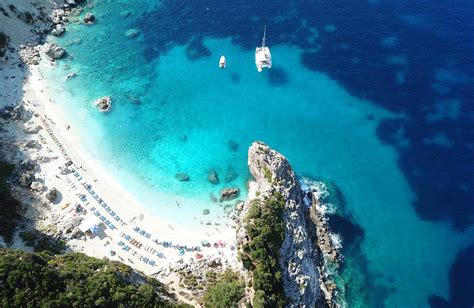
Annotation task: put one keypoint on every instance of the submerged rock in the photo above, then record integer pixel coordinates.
(54, 51)
(134, 98)
(233, 146)
(213, 198)
(71, 75)
(206, 212)
(183, 177)
(89, 18)
(132, 33)
(230, 174)
(229, 193)
(125, 14)
(104, 104)
(212, 177)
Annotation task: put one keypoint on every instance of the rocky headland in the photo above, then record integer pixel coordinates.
(299, 248)
(306, 247)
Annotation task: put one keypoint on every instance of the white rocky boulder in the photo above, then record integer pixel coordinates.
(37, 186)
(54, 51)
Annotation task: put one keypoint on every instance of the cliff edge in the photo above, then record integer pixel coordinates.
(300, 257)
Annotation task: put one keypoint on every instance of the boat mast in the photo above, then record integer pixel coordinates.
(263, 40)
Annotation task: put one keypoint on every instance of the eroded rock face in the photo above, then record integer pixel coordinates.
(54, 51)
(300, 259)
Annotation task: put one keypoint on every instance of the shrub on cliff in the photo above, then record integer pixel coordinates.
(73, 280)
(9, 206)
(264, 226)
(226, 292)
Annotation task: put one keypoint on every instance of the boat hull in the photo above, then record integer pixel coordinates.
(263, 58)
(222, 62)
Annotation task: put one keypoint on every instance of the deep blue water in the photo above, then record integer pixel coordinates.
(374, 98)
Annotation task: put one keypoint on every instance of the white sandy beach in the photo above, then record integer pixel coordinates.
(109, 189)
(129, 232)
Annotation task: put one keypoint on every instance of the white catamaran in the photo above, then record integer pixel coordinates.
(263, 57)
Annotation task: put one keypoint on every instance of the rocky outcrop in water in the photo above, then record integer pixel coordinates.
(229, 194)
(89, 18)
(104, 104)
(301, 260)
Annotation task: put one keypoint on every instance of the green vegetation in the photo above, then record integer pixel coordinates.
(225, 292)
(265, 229)
(41, 242)
(9, 206)
(267, 174)
(73, 280)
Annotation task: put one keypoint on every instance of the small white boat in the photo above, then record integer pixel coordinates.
(263, 57)
(222, 62)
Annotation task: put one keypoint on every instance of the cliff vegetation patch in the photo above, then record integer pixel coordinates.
(261, 254)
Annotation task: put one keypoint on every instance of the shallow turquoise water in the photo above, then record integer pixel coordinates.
(189, 110)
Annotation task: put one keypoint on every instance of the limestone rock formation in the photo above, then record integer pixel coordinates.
(104, 103)
(89, 18)
(54, 51)
(229, 193)
(301, 260)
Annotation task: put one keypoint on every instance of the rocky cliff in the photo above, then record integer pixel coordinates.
(301, 258)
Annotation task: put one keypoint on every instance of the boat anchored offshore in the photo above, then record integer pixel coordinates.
(263, 57)
(222, 62)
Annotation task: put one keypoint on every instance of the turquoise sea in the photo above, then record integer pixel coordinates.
(336, 104)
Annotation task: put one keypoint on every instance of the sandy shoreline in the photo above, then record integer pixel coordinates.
(108, 188)
(128, 232)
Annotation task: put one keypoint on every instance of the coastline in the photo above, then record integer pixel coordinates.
(48, 142)
(85, 192)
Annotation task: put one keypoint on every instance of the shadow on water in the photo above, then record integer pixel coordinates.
(461, 282)
(408, 58)
(361, 286)
(196, 50)
(277, 76)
